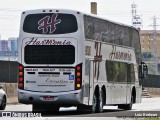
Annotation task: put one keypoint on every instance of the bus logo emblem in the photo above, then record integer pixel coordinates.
(48, 24)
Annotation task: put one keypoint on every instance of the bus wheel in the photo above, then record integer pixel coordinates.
(93, 107)
(129, 106)
(126, 106)
(100, 102)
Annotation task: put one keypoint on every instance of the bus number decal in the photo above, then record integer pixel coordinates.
(45, 24)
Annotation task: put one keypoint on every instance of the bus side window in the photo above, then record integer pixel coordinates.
(132, 73)
(109, 71)
(123, 73)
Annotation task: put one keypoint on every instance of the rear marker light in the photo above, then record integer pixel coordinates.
(78, 79)
(78, 85)
(78, 68)
(20, 73)
(57, 10)
(78, 74)
(20, 68)
(20, 79)
(20, 85)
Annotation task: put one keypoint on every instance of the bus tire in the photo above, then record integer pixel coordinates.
(129, 106)
(93, 107)
(100, 103)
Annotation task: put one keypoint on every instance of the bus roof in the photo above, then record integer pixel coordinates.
(78, 12)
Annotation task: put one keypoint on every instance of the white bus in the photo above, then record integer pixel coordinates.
(68, 58)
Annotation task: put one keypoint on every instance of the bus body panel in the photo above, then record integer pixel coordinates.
(47, 79)
(30, 97)
(117, 92)
(44, 79)
(78, 35)
(94, 50)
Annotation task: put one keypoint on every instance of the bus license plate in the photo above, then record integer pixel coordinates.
(48, 98)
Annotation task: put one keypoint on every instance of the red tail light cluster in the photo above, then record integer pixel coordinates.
(78, 76)
(21, 77)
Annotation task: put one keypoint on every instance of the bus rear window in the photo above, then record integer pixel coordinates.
(49, 54)
(50, 23)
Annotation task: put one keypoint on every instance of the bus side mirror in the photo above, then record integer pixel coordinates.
(143, 70)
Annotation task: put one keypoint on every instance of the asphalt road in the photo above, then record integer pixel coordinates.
(150, 107)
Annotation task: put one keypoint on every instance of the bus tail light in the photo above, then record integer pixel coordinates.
(78, 76)
(21, 77)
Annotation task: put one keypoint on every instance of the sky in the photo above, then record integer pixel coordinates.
(115, 10)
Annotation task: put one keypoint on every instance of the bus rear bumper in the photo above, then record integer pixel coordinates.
(70, 98)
